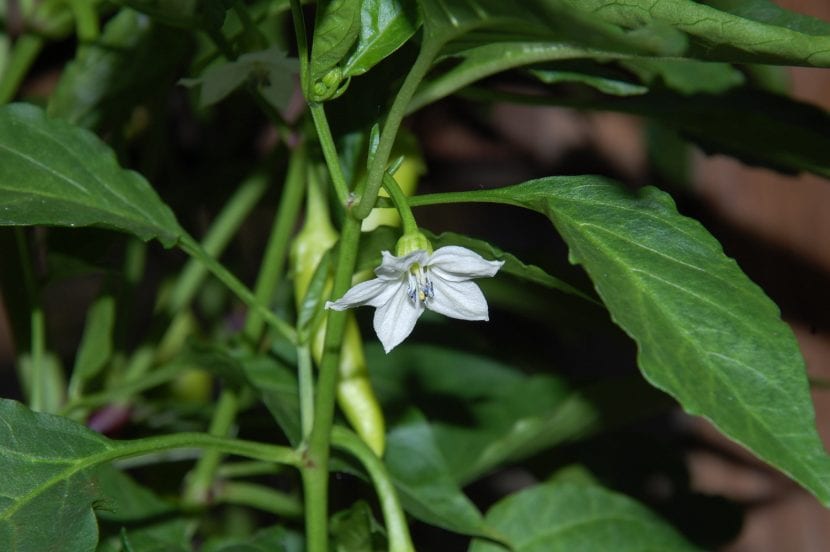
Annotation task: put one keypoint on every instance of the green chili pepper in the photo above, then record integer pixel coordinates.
(355, 395)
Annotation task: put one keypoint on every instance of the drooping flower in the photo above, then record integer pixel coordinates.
(418, 280)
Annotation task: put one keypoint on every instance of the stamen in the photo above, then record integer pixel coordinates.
(420, 286)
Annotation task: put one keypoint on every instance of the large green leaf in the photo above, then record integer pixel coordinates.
(47, 505)
(55, 174)
(728, 30)
(722, 35)
(706, 334)
(446, 21)
(570, 517)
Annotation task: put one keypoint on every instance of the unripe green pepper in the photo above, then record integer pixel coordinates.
(355, 395)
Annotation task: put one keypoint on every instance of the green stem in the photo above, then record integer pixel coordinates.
(248, 25)
(396, 526)
(401, 204)
(316, 458)
(476, 196)
(138, 447)
(129, 388)
(369, 193)
(25, 50)
(191, 247)
(277, 248)
(86, 20)
(223, 229)
(201, 478)
(247, 469)
(318, 113)
(306, 382)
(260, 497)
(37, 327)
(302, 43)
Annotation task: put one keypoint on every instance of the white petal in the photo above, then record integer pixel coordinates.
(454, 263)
(462, 300)
(394, 268)
(373, 293)
(395, 320)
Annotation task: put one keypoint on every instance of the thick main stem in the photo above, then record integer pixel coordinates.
(316, 457)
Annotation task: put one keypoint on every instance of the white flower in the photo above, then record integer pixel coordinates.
(406, 285)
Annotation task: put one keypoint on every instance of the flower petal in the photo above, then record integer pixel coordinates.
(457, 264)
(395, 320)
(462, 300)
(394, 268)
(374, 293)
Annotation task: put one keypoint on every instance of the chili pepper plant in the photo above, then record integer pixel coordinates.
(248, 312)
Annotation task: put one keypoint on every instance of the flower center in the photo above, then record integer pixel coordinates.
(420, 286)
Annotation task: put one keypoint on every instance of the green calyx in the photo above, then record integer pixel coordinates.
(412, 241)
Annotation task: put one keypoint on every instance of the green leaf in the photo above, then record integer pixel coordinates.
(55, 174)
(484, 60)
(279, 391)
(385, 25)
(153, 523)
(356, 530)
(606, 84)
(270, 71)
(336, 30)
(564, 517)
(482, 413)
(53, 384)
(48, 504)
(532, 20)
(706, 334)
(512, 265)
(685, 75)
(267, 540)
(724, 35)
(423, 479)
(96, 344)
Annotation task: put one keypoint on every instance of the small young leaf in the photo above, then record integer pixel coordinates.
(96, 344)
(605, 84)
(686, 76)
(336, 30)
(356, 530)
(55, 174)
(555, 517)
(384, 27)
